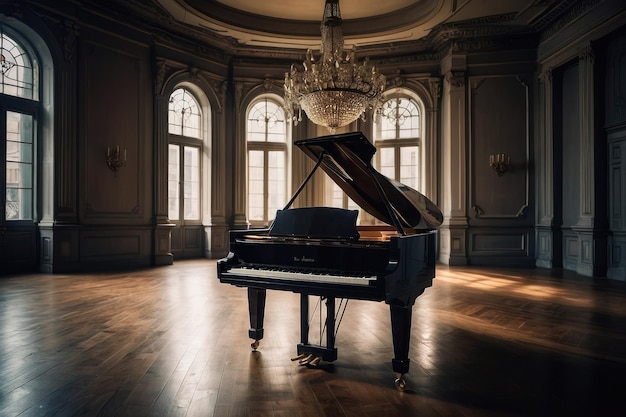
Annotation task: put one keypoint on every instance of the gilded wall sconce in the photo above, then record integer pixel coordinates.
(500, 163)
(115, 158)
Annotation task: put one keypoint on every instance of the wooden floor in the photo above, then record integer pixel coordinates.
(172, 341)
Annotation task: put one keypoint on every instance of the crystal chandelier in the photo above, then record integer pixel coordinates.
(334, 90)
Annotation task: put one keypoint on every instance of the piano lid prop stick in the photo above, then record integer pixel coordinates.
(299, 190)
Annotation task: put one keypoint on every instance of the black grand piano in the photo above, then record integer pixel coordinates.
(321, 251)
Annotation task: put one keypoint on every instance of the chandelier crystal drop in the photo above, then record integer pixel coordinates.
(335, 90)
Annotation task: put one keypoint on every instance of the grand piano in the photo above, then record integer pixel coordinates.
(321, 251)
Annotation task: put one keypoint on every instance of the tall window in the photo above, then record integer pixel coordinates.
(18, 90)
(397, 139)
(185, 150)
(267, 160)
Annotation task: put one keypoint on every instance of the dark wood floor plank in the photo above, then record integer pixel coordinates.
(172, 341)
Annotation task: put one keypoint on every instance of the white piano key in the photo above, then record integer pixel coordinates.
(302, 276)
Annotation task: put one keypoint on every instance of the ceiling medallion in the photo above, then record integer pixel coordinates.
(335, 90)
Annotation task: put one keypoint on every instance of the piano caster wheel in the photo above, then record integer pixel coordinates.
(254, 345)
(400, 383)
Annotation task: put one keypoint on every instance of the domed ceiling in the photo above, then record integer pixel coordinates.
(296, 24)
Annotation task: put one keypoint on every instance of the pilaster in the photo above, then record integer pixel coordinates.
(240, 220)
(592, 241)
(217, 230)
(587, 136)
(548, 238)
(161, 234)
(453, 248)
(430, 170)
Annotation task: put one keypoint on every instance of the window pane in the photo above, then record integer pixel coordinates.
(192, 183)
(408, 119)
(388, 120)
(256, 181)
(173, 184)
(18, 72)
(400, 119)
(408, 166)
(19, 166)
(19, 204)
(276, 182)
(184, 116)
(337, 196)
(266, 122)
(387, 163)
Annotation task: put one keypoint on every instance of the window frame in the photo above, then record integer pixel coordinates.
(193, 142)
(27, 106)
(397, 143)
(266, 147)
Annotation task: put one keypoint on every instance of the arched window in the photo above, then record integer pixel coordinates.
(397, 138)
(19, 76)
(184, 157)
(266, 137)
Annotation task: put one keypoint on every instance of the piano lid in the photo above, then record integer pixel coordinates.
(347, 157)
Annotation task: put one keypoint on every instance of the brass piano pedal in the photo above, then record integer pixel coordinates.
(316, 361)
(297, 358)
(308, 358)
(254, 345)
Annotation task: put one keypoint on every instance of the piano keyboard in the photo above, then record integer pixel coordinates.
(365, 280)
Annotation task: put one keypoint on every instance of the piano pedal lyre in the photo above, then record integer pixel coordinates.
(254, 345)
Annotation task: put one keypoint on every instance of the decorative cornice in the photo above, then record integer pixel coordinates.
(546, 76)
(587, 54)
(488, 33)
(563, 14)
(434, 85)
(70, 35)
(456, 79)
(161, 72)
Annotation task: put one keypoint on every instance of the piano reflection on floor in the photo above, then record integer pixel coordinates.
(320, 251)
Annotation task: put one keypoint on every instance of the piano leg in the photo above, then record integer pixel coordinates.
(256, 308)
(304, 319)
(401, 333)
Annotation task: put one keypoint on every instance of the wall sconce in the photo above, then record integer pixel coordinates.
(115, 158)
(500, 163)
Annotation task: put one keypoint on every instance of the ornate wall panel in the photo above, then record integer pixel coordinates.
(499, 118)
(617, 205)
(499, 215)
(113, 115)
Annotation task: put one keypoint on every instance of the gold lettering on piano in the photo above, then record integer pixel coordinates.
(302, 259)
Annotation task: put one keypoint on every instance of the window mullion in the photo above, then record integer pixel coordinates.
(3, 171)
(397, 160)
(266, 196)
(181, 185)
